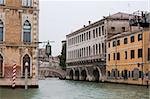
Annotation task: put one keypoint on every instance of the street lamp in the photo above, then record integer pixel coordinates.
(26, 75)
(48, 49)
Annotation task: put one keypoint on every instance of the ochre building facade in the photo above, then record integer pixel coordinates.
(128, 58)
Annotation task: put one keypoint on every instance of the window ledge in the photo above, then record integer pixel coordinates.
(27, 6)
(2, 4)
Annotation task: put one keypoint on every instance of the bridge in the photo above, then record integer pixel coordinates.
(45, 72)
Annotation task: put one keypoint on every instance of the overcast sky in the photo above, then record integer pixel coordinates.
(59, 18)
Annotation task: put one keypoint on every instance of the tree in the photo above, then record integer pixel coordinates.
(62, 57)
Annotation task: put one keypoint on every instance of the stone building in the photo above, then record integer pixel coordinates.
(18, 40)
(86, 47)
(128, 53)
(45, 61)
(128, 57)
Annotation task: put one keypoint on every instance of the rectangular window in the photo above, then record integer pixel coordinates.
(1, 1)
(132, 39)
(1, 34)
(132, 74)
(118, 74)
(89, 51)
(93, 33)
(126, 55)
(118, 56)
(132, 54)
(27, 3)
(114, 56)
(148, 54)
(99, 48)
(99, 31)
(103, 30)
(109, 45)
(139, 37)
(108, 57)
(82, 37)
(140, 53)
(129, 74)
(96, 32)
(118, 42)
(140, 74)
(89, 35)
(125, 40)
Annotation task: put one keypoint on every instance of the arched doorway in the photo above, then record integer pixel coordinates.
(26, 58)
(125, 74)
(96, 75)
(1, 66)
(76, 74)
(83, 74)
(71, 74)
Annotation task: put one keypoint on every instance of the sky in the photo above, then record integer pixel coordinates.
(61, 17)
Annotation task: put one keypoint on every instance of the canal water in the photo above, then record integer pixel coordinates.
(61, 89)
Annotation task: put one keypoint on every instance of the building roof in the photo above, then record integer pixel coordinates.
(119, 15)
(116, 16)
(123, 34)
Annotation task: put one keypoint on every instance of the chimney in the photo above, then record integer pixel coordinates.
(89, 22)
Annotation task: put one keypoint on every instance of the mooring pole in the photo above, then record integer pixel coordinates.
(14, 76)
(26, 75)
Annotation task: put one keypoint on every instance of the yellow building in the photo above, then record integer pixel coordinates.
(18, 37)
(128, 58)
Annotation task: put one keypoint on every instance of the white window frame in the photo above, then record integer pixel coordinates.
(27, 3)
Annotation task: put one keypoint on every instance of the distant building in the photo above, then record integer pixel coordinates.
(48, 62)
(18, 36)
(86, 47)
(128, 57)
(54, 62)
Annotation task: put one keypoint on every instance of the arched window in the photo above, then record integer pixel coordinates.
(27, 32)
(26, 58)
(1, 65)
(1, 31)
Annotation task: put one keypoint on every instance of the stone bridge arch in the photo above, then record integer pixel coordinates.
(52, 72)
(91, 73)
(97, 74)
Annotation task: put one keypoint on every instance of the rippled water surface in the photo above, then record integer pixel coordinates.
(61, 89)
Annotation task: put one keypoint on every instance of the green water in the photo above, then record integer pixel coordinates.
(61, 89)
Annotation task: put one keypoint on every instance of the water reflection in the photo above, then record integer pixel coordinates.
(59, 89)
